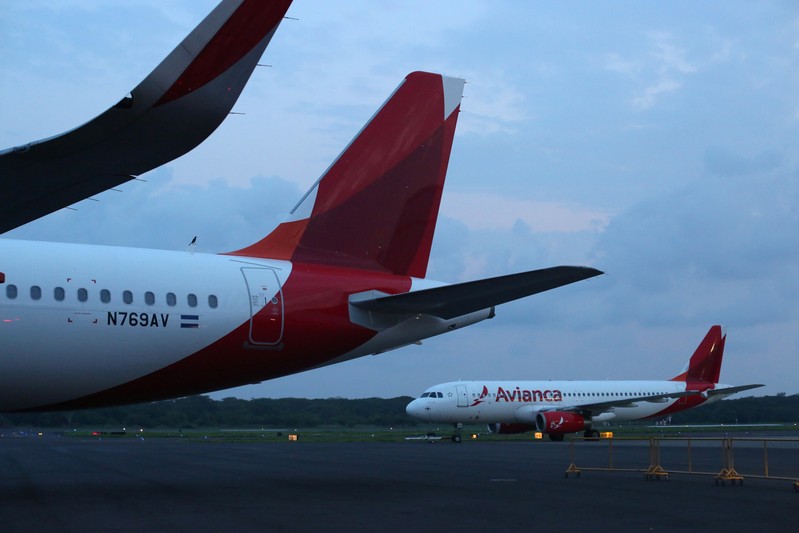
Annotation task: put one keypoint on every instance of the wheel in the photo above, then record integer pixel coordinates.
(456, 439)
(557, 437)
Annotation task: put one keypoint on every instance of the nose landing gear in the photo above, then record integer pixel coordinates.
(456, 437)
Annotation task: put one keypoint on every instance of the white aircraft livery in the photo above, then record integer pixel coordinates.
(560, 407)
(343, 276)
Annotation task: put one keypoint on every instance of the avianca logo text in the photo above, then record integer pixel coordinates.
(518, 395)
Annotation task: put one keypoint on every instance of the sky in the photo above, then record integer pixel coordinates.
(654, 141)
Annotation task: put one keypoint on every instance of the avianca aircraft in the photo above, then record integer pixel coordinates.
(342, 277)
(560, 407)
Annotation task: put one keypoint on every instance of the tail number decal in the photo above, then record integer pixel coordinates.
(144, 320)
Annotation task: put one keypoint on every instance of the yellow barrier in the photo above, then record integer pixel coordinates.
(655, 471)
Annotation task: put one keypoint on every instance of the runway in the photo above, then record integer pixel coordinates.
(126, 484)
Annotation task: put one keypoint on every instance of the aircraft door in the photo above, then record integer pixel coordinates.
(463, 396)
(266, 306)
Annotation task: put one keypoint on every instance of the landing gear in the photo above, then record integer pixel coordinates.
(456, 437)
(591, 434)
(556, 437)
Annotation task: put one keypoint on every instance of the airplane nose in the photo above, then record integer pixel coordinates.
(412, 408)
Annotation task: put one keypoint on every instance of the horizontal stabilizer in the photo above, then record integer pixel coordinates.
(451, 301)
(731, 390)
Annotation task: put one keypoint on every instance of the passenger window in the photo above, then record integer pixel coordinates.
(11, 292)
(58, 294)
(127, 297)
(171, 299)
(212, 301)
(149, 298)
(192, 300)
(105, 296)
(36, 292)
(83, 295)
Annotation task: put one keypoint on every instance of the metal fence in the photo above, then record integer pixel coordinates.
(760, 458)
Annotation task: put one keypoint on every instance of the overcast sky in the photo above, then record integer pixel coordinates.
(654, 141)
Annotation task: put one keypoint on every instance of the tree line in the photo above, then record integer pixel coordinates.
(779, 409)
(202, 411)
(286, 413)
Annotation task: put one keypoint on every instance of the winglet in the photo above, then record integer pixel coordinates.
(168, 114)
(376, 206)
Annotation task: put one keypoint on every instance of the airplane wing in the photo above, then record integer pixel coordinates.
(731, 390)
(621, 403)
(168, 114)
(459, 299)
(601, 407)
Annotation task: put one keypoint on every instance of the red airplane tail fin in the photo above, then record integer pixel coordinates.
(376, 206)
(705, 364)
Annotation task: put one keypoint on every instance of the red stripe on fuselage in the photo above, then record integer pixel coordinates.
(317, 330)
(246, 27)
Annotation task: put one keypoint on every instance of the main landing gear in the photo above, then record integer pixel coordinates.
(456, 437)
(591, 434)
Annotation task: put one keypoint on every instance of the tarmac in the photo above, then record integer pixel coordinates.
(127, 484)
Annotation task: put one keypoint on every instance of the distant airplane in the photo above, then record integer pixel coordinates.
(342, 277)
(560, 407)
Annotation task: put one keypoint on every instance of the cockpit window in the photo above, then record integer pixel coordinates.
(424, 395)
(440, 394)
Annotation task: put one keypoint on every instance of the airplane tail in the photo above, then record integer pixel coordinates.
(375, 208)
(705, 364)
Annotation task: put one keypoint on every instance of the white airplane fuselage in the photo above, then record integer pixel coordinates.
(68, 329)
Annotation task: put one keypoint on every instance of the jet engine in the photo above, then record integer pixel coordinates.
(554, 422)
(509, 429)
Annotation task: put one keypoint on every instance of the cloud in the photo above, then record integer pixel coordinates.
(223, 217)
(726, 163)
(656, 71)
(492, 104)
(716, 250)
(485, 210)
